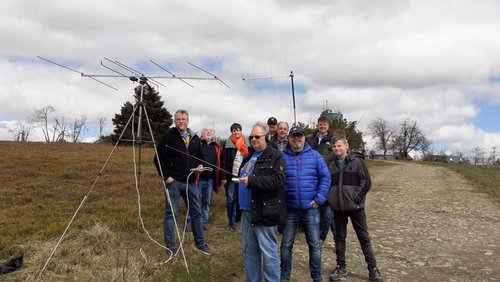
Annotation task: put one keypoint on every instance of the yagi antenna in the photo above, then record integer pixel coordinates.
(137, 75)
(293, 90)
(173, 75)
(215, 77)
(135, 72)
(81, 73)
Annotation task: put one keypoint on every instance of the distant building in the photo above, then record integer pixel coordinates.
(379, 155)
(332, 115)
(444, 159)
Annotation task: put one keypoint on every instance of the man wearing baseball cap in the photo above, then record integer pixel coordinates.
(306, 188)
(272, 123)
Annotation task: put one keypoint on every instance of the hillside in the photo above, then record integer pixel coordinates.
(427, 223)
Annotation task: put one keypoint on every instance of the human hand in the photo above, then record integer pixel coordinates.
(314, 204)
(244, 180)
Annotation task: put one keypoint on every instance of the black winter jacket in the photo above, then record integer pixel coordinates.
(266, 183)
(349, 185)
(324, 148)
(175, 163)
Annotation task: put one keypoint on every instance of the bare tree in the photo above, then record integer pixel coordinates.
(493, 155)
(77, 127)
(410, 138)
(426, 148)
(22, 130)
(477, 155)
(102, 123)
(41, 116)
(462, 157)
(54, 130)
(378, 127)
(59, 131)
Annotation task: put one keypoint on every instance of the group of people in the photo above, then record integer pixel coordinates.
(276, 179)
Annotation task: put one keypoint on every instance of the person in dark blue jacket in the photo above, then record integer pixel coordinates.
(306, 188)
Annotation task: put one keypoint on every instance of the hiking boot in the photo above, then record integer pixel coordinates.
(205, 249)
(172, 254)
(338, 273)
(374, 275)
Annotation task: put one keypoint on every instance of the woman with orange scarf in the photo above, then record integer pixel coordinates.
(234, 150)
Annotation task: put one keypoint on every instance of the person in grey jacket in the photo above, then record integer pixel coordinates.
(350, 184)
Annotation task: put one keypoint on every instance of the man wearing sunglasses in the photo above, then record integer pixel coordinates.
(262, 203)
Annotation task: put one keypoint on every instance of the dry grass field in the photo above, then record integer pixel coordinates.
(42, 185)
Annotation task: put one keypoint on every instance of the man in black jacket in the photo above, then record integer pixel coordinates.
(179, 152)
(262, 202)
(350, 184)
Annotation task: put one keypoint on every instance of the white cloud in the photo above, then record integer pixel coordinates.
(431, 61)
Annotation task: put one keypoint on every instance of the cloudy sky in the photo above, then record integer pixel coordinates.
(437, 62)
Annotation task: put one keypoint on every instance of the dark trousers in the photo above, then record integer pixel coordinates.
(327, 222)
(358, 219)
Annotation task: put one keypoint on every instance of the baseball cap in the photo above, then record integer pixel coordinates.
(272, 120)
(296, 130)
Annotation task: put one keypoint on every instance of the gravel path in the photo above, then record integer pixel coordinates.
(427, 223)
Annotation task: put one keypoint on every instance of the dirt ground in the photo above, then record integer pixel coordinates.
(426, 223)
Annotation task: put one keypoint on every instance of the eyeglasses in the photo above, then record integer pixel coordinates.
(257, 137)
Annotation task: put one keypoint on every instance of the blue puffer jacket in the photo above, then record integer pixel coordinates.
(307, 178)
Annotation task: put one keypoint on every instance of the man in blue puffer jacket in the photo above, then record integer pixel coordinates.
(306, 188)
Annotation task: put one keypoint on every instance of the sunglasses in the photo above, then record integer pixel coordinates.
(256, 137)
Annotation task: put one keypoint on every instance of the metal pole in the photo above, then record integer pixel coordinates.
(293, 97)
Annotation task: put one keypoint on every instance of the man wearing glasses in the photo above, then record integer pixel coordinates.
(262, 202)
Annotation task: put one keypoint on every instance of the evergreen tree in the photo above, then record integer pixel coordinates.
(354, 136)
(159, 118)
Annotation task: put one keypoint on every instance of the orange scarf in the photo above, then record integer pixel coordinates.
(239, 143)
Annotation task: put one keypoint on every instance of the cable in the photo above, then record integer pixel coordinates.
(201, 160)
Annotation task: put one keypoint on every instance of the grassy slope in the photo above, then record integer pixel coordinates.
(485, 177)
(43, 184)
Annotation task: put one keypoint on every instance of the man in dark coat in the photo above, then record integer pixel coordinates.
(179, 151)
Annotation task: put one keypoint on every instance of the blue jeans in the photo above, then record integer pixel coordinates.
(177, 190)
(309, 220)
(327, 222)
(231, 202)
(260, 250)
(358, 219)
(205, 188)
